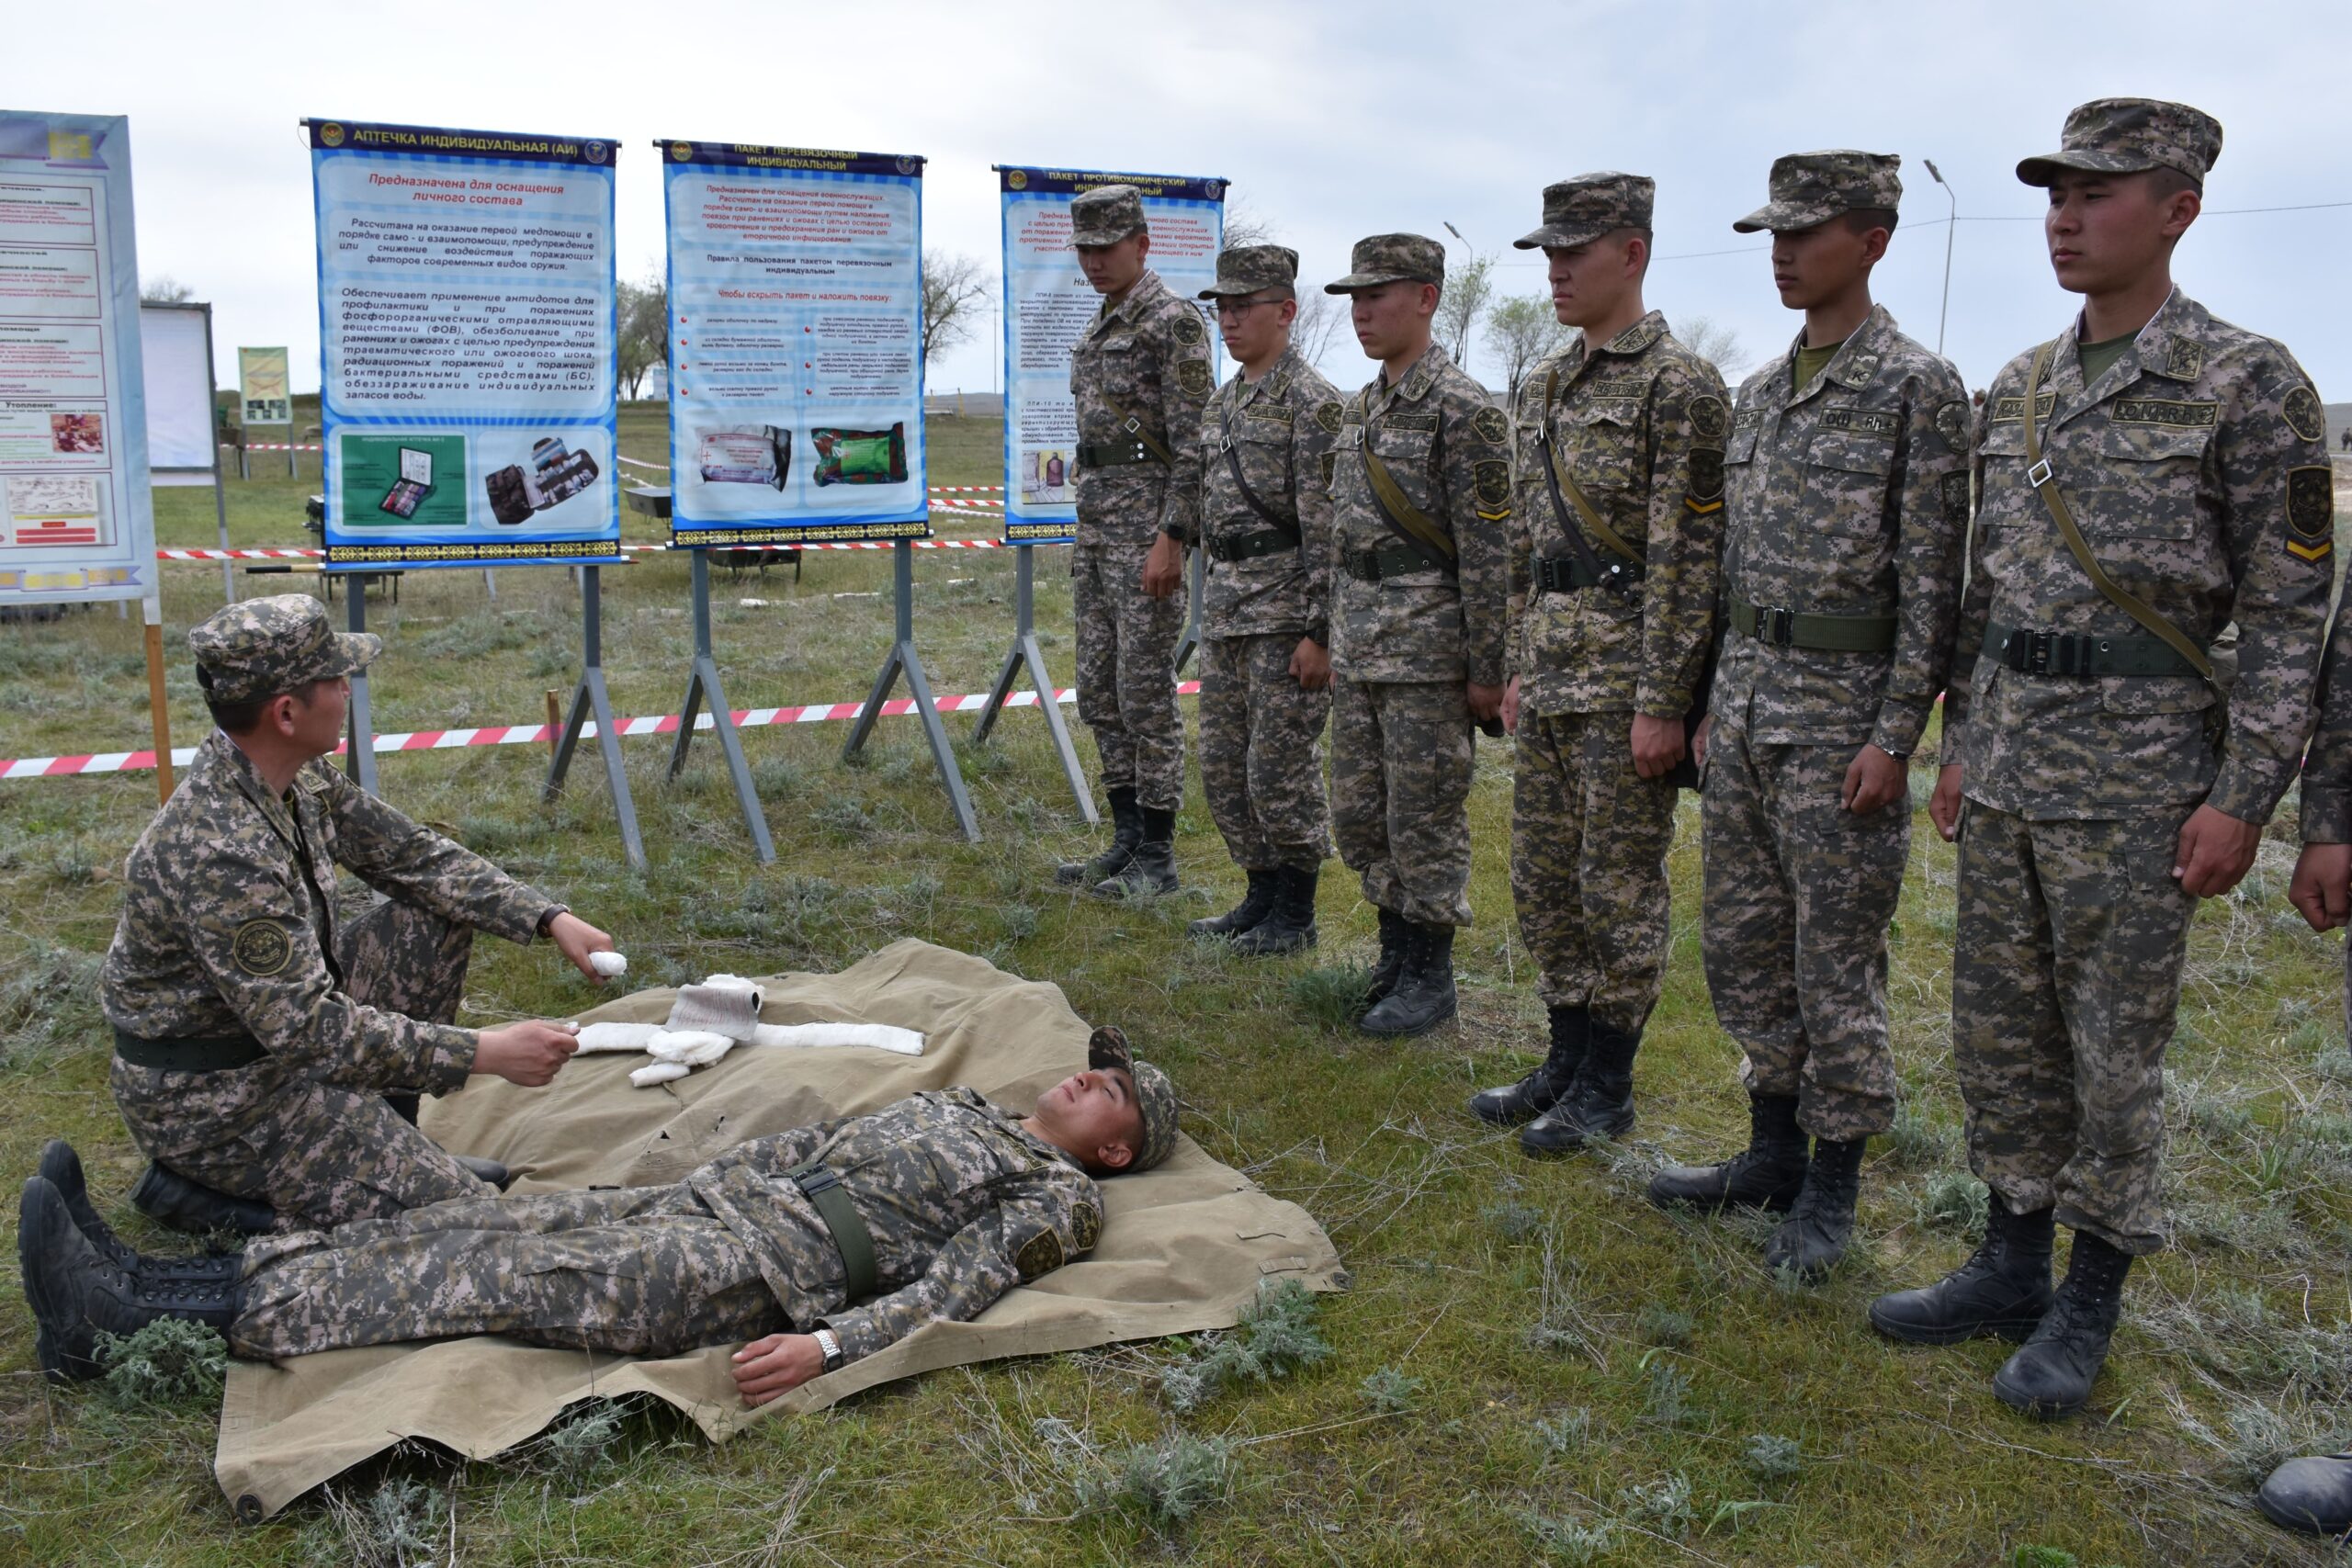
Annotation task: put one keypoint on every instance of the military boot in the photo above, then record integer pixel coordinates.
(1768, 1174)
(1424, 996)
(2311, 1495)
(1151, 870)
(2052, 1374)
(1289, 923)
(61, 1169)
(1813, 1238)
(1509, 1105)
(1127, 827)
(2003, 1289)
(1391, 961)
(1599, 1104)
(76, 1293)
(168, 1198)
(1244, 916)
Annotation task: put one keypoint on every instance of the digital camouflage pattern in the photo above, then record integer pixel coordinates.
(1580, 210)
(960, 1203)
(1588, 837)
(1247, 269)
(1797, 894)
(1145, 360)
(1105, 215)
(2115, 136)
(1401, 763)
(259, 648)
(2327, 767)
(2060, 1038)
(230, 928)
(1392, 258)
(1261, 753)
(1281, 427)
(1810, 188)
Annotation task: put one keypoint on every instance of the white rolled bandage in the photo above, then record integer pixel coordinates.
(608, 964)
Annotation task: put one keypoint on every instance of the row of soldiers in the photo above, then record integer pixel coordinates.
(1654, 586)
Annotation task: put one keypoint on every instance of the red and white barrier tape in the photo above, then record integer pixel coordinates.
(279, 446)
(531, 733)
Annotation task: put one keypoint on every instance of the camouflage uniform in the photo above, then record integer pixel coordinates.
(2198, 471)
(1639, 423)
(1846, 498)
(959, 1201)
(1146, 358)
(2327, 768)
(1407, 637)
(230, 932)
(1262, 733)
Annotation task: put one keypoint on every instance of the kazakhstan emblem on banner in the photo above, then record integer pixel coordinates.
(1016, 180)
(330, 135)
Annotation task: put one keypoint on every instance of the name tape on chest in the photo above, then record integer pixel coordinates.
(1860, 421)
(2011, 411)
(2168, 411)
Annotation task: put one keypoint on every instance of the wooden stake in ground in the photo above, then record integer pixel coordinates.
(156, 710)
(555, 719)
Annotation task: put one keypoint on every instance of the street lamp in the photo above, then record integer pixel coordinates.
(1942, 315)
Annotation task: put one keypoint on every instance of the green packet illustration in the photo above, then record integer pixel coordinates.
(861, 457)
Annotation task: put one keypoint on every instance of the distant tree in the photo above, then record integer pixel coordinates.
(1519, 332)
(166, 291)
(956, 292)
(1469, 289)
(1316, 331)
(1719, 345)
(644, 330)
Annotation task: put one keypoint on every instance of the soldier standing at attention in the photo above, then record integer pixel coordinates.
(2152, 475)
(1616, 527)
(1420, 494)
(1846, 517)
(269, 1053)
(1265, 662)
(1141, 376)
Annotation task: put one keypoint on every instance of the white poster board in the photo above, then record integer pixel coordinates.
(178, 352)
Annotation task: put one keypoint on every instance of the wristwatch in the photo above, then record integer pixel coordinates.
(547, 919)
(830, 1346)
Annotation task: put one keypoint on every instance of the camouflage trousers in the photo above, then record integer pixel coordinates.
(1798, 893)
(2065, 975)
(640, 1271)
(323, 1154)
(1401, 762)
(1588, 837)
(1261, 753)
(1127, 667)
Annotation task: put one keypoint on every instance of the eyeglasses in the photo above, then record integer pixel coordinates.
(1242, 307)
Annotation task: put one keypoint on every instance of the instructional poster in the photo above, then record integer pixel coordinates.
(796, 344)
(468, 370)
(1047, 303)
(261, 376)
(76, 520)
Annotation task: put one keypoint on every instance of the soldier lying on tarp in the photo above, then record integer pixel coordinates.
(817, 1247)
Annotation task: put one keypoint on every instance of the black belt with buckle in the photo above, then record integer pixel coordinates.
(1389, 560)
(1245, 547)
(1566, 574)
(1115, 455)
(216, 1054)
(2081, 653)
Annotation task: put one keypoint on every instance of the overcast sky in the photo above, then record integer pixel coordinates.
(1332, 122)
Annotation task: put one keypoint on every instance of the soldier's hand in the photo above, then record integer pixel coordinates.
(576, 939)
(530, 1053)
(1657, 745)
(2216, 851)
(1699, 741)
(1943, 806)
(1163, 569)
(1486, 702)
(2321, 887)
(1310, 665)
(1875, 780)
(776, 1365)
(1509, 712)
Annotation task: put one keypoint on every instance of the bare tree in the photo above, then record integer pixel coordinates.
(166, 291)
(644, 335)
(1316, 330)
(1519, 332)
(1469, 289)
(955, 290)
(1719, 345)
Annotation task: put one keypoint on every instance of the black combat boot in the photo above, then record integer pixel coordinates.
(1151, 870)
(2003, 1289)
(76, 1293)
(1244, 916)
(168, 1198)
(2052, 1374)
(1768, 1174)
(1599, 1104)
(1424, 996)
(1289, 924)
(1126, 828)
(1813, 1238)
(1509, 1105)
(1391, 961)
(2311, 1495)
(61, 1169)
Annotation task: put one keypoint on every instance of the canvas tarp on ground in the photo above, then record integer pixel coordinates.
(1184, 1246)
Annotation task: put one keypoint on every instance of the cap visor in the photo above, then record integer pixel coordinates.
(1561, 237)
(351, 653)
(1356, 280)
(1107, 1047)
(1783, 217)
(1099, 237)
(2046, 169)
(1229, 291)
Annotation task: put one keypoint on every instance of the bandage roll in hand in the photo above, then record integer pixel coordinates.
(608, 964)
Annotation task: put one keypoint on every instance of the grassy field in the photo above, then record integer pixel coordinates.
(1532, 1365)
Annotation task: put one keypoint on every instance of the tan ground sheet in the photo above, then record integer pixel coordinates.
(1184, 1246)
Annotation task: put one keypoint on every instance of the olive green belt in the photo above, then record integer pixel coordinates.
(1821, 634)
(188, 1056)
(2080, 653)
(851, 1239)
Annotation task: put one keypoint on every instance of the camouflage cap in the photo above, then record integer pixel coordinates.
(1578, 211)
(1392, 258)
(1814, 188)
(2122, 136)
(1105, 215)
(1245, 269)
(263, 647)
(1155, 1096)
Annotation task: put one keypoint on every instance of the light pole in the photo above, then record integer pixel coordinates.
(1943, 314)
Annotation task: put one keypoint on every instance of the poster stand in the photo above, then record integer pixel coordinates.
(904, 658)
(1025, 653)
(158, 711)
(588, 697)
(359, 749)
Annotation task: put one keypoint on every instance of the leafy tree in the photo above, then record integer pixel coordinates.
(644, 330)
(1469, 289)
(1519, 332)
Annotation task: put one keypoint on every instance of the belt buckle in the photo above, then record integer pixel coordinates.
(2037, 651)
(817, 1181)
(1135, 453)
(2038, 474)
(1777, 627)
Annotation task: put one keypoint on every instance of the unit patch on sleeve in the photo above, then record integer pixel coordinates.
(1489, 426)
(262, 947)
(1708, 418)
(1492, 480)
(1192, 375)
(1188, 328)
(2304, 415)
(1040, 1255)
(2311, 512)
(1951, 423)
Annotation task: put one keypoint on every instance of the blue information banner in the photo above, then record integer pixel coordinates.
(1048, 305)
(469, 360)
(796, 344)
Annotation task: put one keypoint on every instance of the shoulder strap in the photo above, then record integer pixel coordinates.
(1287, 527)
(1434, 545)
(1557, 478)
(2045, 484)
(1129, 425)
